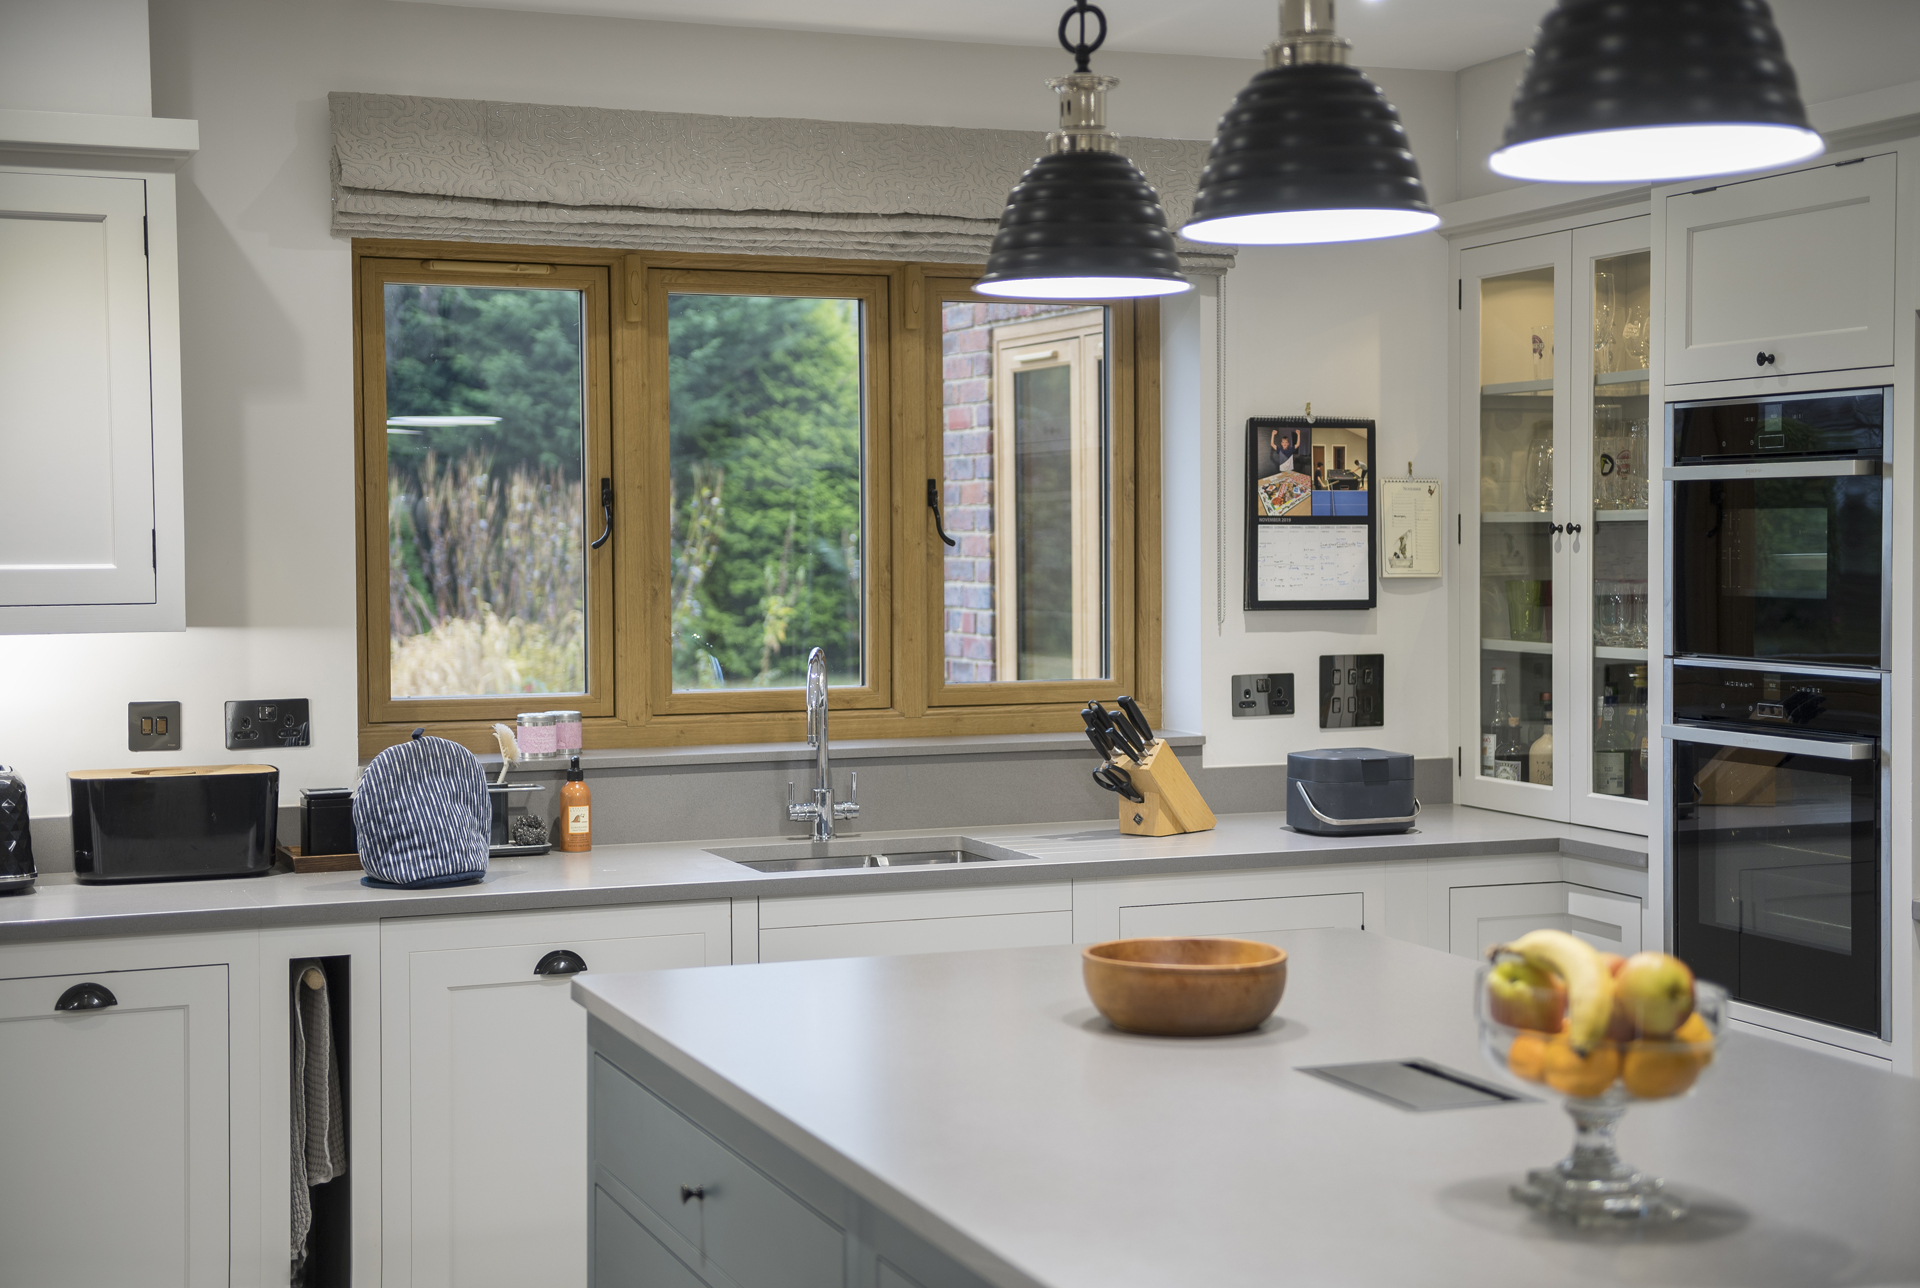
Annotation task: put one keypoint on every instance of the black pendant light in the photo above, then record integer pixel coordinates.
(1644, 91)
(1310, 150)
(1083, 222)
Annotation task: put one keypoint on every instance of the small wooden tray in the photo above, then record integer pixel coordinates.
(318, 862)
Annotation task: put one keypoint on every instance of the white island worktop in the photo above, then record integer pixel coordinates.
(978, 1100)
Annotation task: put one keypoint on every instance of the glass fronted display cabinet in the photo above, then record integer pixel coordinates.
(1555, 471)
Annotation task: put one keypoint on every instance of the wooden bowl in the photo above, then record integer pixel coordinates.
(1184, 987)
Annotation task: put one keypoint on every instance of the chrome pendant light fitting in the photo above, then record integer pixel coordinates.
(1083, 223)
(1310, 150)
(1646, 91)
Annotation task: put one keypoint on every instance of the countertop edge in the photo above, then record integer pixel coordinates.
(866, 1185)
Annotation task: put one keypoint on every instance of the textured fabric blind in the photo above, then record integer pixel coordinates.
(470, 170)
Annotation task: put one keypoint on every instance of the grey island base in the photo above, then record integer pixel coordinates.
(963, 1119)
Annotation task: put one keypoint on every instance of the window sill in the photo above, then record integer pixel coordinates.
(850, 749)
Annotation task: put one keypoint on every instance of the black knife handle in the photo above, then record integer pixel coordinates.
(1139, 718)
(1100, 745)
(1120, 730)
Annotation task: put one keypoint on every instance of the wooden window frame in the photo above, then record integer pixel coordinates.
(904, 694)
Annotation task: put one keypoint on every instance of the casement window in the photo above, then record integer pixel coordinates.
(646, 486)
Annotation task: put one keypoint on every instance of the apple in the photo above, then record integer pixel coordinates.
(1655, 992)
(1522, 996)
(1613, 962)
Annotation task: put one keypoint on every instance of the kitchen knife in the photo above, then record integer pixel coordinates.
(1139, 718)
(1122, 732)
(1097, 733)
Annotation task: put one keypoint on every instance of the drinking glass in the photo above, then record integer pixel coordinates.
(1540, 349)
(1540, 477)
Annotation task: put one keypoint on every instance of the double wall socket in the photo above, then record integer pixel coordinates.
(1353, 690)
(1263, 695)
(268, 722)
(153, 726)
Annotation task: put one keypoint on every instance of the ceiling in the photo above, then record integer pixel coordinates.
(1838, 46)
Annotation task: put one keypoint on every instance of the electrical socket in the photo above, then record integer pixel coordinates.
(153, 726)
(1263, 695)
(268, 722)
(1353, 690)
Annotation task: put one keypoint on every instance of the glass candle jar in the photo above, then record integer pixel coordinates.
(566, 730)
(536, 735)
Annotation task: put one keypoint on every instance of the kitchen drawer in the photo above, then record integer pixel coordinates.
(626, 1256)
(1257, 919)
(912, 905)
(890, 1277)
(928, 935)
(751, 1230)
(1483, 915)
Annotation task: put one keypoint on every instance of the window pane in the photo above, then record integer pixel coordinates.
(766, 407)
(486, 441)
(1027, 492)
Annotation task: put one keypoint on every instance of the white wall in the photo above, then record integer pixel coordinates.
(267, 321)
(75, 56)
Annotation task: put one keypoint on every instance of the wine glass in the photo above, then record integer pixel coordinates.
(1592, 1186)
(1540, 476)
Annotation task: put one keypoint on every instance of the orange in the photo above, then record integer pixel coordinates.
(1572, 1074)
(1694, 1029)
(1656, 1070)
(1527, 1056)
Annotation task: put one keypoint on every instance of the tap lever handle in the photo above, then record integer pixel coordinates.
(850, 807)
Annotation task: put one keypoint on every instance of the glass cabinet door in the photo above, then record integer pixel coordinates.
(1556, 462)
(1514, 300)
(1614, 429)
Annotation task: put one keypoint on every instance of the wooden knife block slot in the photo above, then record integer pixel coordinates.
(1173, 805)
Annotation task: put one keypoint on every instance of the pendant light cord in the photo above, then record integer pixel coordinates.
(1081, 50)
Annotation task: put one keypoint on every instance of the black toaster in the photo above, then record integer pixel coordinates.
(174, 823)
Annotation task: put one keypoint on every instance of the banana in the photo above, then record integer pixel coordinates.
(1589, 985)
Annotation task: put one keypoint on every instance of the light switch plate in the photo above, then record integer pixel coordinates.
(1263, 695)
(268, 722)
(1353, 690)
(153, 726)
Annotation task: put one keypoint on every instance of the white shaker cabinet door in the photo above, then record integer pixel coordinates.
(113, 1130)
(484, 1080)
(1495, 914)
(1781, 275)
(77, 523)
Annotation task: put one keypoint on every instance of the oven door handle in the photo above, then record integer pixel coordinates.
(1772, 470)
(1866, 749)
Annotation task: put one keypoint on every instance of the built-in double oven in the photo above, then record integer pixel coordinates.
(1778, 541)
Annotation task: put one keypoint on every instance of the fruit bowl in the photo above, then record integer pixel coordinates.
(1181, 987)
(1591, 1185)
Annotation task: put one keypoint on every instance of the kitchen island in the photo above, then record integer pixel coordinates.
(968, 1118)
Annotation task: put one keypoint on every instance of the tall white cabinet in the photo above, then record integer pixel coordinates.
(91, 525)
(1556, 597)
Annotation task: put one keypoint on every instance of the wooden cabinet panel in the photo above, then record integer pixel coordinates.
(113, 1131)
(1799, 266)
(484, 1085)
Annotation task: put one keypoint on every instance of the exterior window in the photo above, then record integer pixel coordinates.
(756, 446)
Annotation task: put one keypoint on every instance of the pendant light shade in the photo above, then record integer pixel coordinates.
(1083, 222)
(1310, 150)
(1645, 91)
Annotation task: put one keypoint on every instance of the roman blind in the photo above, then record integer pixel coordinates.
(473, 170)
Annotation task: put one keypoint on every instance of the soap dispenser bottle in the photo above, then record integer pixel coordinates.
(576, 806)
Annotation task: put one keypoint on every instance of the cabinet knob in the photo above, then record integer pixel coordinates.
(690, 1192)
(561, 961)
(1559, 528)
(1763, 359)
(1573, 528)
(86, 997)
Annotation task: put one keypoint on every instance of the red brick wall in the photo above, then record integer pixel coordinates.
(967, 490)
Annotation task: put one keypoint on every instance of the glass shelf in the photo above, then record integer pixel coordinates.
(1619, 516)
(1621, 378)
(1524, 646)
(1614, 653)
(1518, 516)
(1517, 387)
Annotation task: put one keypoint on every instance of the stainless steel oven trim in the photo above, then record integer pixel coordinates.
(1862, 749)
(1849, 467)
(1735, 400)
(1774, 667)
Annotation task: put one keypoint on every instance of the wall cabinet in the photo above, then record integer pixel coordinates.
(114, 1130)
(925, 921)
(1553, 598)
(1780, 275)
(91, 534)
(483, 1084)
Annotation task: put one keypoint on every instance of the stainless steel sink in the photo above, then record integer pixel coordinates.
(851, 853)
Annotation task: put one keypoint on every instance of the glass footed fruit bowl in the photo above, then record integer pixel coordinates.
(1592, 1185)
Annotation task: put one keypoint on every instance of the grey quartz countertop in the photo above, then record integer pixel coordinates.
(1004, 1121)
(62, 908)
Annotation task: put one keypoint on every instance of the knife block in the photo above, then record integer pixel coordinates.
(1173, 805)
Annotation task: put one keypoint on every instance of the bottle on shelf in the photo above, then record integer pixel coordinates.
(1540, 755)
(1500, 746)
(1609, 747)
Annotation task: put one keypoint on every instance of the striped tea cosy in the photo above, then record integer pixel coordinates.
(422, 815)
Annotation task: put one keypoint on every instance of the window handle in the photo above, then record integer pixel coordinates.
(933, 503)
(606, 508)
